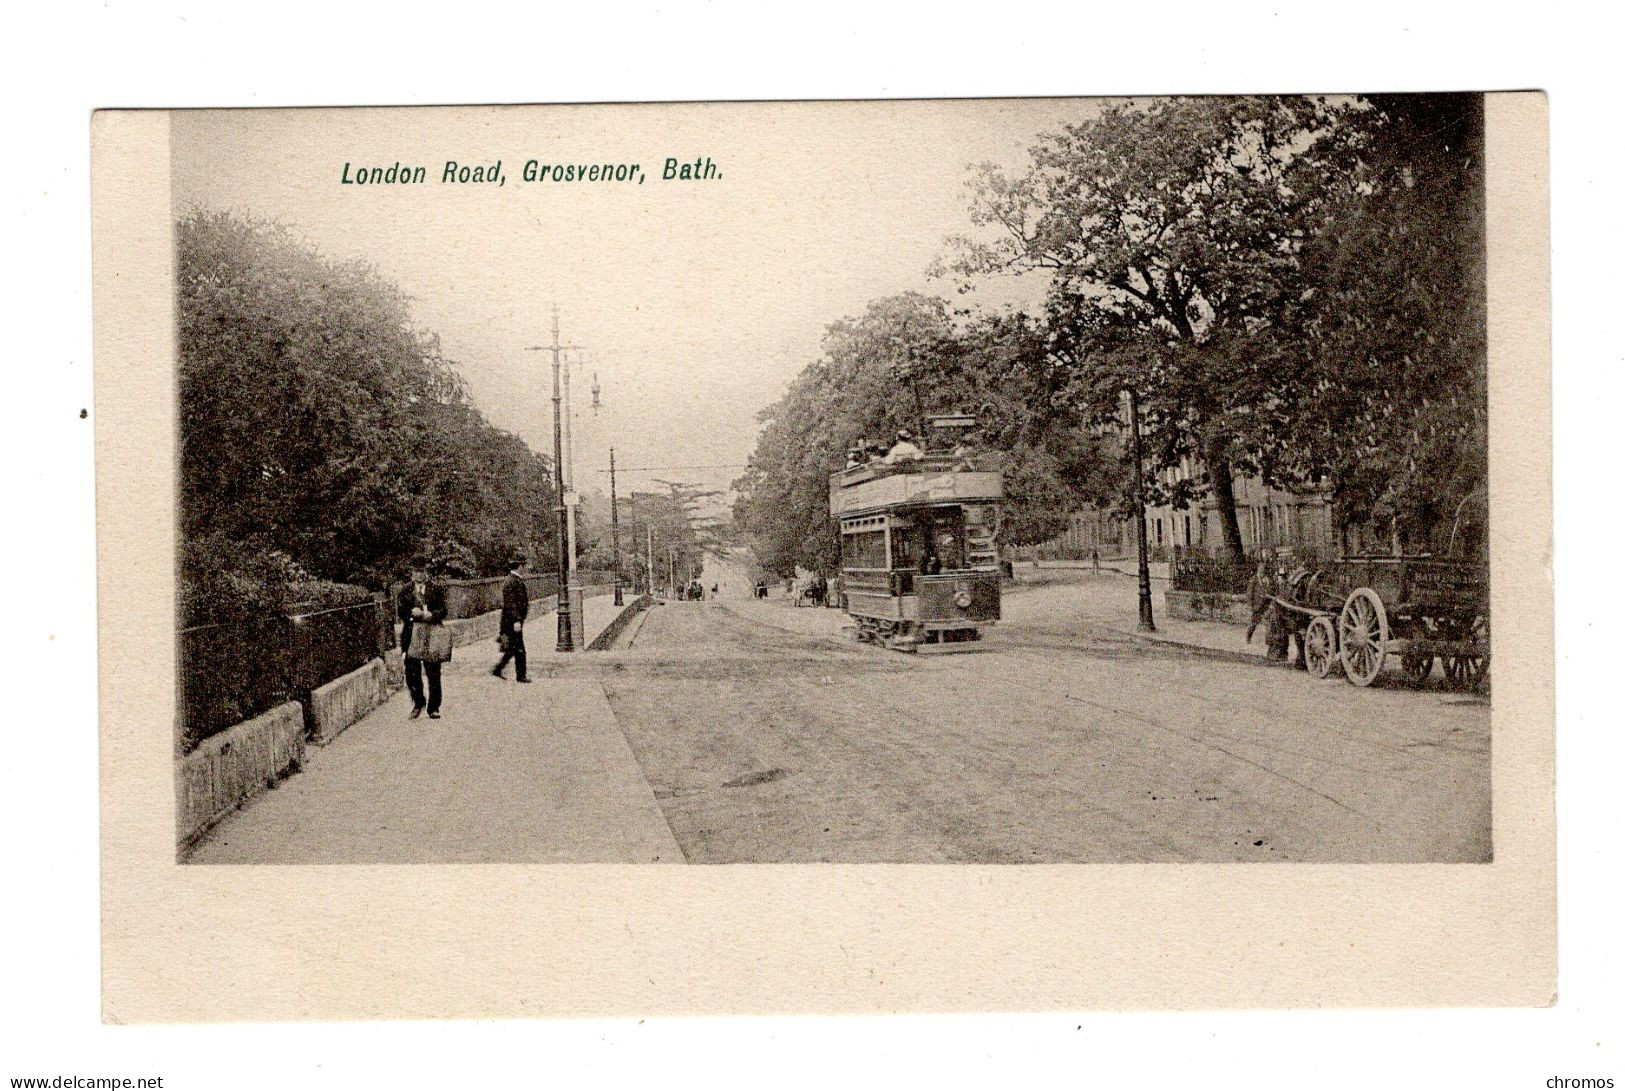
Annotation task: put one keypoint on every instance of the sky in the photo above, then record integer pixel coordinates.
(693, 303)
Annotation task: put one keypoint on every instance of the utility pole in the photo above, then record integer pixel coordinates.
(650, 559)
(570, 496)
(566, 640)
(1146, 624)
(614, 519)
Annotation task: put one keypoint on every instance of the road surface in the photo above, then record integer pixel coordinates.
(766, 738)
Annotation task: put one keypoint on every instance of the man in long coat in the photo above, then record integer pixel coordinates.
(515, 608)
(422, 599)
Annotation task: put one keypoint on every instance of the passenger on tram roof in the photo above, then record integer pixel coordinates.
(904, 449)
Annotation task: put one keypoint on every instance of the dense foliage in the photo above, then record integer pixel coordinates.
(322, 434)
(1391, 372)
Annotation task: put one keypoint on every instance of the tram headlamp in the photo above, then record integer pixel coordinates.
(962, 600)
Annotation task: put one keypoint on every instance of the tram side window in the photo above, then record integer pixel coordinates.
(865, 550)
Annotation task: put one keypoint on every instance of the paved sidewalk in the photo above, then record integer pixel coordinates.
(1065, 602)
(508, 774)
(542, 629)
(1110, 600)
(1161, 571)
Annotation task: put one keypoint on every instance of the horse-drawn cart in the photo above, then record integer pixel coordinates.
(1357, 612)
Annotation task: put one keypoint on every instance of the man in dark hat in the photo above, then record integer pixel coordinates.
(421, 601)
(515, 608)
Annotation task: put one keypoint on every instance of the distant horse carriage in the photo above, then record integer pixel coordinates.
(812, 593)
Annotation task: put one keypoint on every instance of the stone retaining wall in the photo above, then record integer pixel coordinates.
(229, 769)
(473, 630)
(394, 670)
(345, 700)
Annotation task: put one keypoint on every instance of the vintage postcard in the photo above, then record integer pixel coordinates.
(825, 556)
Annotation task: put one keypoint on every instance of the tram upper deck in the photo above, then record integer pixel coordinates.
(934, 479)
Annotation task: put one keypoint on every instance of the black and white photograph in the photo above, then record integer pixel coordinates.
(865, 545)
(843, 556)
(984, 482)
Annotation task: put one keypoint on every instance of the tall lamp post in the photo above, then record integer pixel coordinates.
(1146, 624)
(566, 639)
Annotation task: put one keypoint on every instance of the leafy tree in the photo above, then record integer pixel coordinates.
(678, 517)
(1172, 234)
(707, 531)
(317, 421)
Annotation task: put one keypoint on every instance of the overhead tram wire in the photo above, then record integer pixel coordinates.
(664, 469)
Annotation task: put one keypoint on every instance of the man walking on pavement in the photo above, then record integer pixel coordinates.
(515, 608)
(422, 602)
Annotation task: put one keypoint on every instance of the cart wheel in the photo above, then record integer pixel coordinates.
(1470, 671)
(1466, 671)
(1417, 666)
(1320, 647)
(1362, 633)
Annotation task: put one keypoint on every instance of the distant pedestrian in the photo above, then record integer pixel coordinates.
(425, 643)
(515, 609)
(1094, 555)
(1259, 590)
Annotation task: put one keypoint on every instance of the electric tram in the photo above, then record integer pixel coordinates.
(919, 555)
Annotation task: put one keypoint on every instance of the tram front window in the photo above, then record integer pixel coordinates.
(904, 550)
(946, 552)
